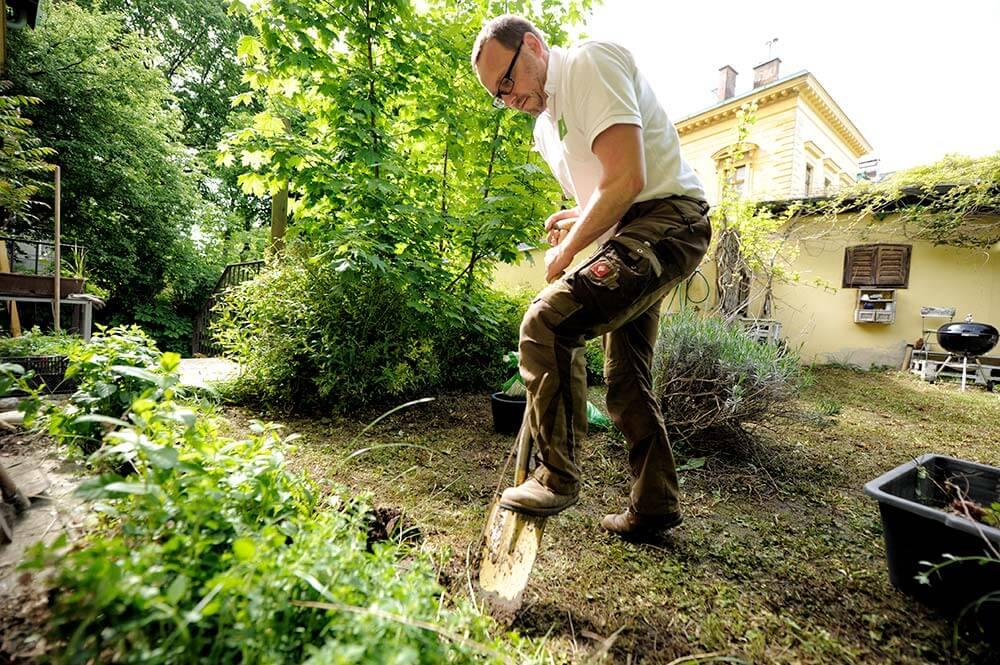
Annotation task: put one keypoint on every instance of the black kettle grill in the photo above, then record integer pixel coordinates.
(967, 339)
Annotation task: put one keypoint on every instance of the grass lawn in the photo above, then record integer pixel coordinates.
(780, 558)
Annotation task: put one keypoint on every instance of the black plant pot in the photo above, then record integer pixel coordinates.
(508, 412)
(916, 529)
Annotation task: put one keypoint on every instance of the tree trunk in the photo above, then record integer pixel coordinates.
(732, 276)
(474, 257)
(371, 79)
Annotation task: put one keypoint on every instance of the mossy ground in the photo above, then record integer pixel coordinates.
(780, 558)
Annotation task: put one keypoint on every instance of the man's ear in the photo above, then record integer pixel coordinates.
(533, 43)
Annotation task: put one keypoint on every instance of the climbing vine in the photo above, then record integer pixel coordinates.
(955, 201)
(751, 240)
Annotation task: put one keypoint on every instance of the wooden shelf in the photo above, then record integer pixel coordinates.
(875, 305)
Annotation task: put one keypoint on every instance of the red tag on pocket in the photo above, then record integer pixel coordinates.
(600, 269)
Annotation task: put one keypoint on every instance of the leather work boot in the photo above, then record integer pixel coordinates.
(533, 498)
(632, 524)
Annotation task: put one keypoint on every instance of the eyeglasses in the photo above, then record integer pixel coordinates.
(506, 84)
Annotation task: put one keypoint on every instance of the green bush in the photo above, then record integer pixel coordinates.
(36, 343)
(595, 361)
(117, 367)
(710, 374)
(309, 336)
(210, 547)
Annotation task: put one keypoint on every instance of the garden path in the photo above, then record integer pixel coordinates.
(202, 372)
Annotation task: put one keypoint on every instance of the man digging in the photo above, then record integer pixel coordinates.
(608, 141)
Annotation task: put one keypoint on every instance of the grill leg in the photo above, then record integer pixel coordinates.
(940, 368)
(965, 365)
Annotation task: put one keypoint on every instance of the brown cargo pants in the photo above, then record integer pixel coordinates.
(618, 293)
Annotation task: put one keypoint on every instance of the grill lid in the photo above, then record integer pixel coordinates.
(968, 337)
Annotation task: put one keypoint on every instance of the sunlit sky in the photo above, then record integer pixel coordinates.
(920, 79)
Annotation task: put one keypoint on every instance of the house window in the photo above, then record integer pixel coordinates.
(826, 185)
(886, 266)
(738, 180)
(732, 166)
(809, 178)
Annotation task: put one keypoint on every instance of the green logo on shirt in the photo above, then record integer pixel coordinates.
(562, 129)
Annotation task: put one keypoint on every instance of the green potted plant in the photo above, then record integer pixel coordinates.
(508, 403)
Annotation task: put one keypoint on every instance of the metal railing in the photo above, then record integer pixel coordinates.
(234, 274)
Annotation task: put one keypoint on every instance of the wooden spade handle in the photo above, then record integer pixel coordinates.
(523, 456)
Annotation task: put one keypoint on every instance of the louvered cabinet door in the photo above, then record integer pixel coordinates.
(892, 266)
(859, 266)
(886, 266)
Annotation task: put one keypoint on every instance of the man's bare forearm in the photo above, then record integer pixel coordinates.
(605, 208)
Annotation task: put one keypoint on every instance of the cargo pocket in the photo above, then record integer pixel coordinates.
(611, 281)
(560, 301)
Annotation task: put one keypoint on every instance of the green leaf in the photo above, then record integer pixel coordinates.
(170, 361)
(267, 124)
(242, 99)
(253, 183)
(254, 158)
(98, 418)
(248, 49)
(692, 464)
(244, 549)
(177, 589)
(143, 405)
(161, 457)
(138, 373)
(128, 488)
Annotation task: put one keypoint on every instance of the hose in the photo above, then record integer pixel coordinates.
(685, 288)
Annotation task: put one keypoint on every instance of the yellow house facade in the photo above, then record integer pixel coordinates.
(822, 321)
(802, 144)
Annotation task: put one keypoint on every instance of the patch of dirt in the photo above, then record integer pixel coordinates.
(24, 613)
(49, 483)
(388, 523)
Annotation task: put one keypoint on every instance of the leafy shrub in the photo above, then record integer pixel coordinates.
(472, 355)
(13, 377)
(708, 373)
(112, 371)
(210, 549)
(162, 321)
(36, 343)
(308, 335)
(595, 362)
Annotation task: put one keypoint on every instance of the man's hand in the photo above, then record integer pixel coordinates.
(559, 230)
(557, 221)
(556, 262)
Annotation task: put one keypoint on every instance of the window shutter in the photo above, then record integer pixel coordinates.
(859, 266)
(893, 266)
(886, 266)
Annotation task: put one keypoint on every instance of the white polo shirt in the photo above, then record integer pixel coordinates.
(590, 87)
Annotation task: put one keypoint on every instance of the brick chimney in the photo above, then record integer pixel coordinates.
(727, 83)
(766, 72)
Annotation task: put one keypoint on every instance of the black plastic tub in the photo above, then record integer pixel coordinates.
(917, 529)
(49, 372)
(508, 412)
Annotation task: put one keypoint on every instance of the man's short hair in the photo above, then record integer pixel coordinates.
(508, 29)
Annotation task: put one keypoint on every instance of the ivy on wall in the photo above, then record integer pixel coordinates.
(955, 201)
